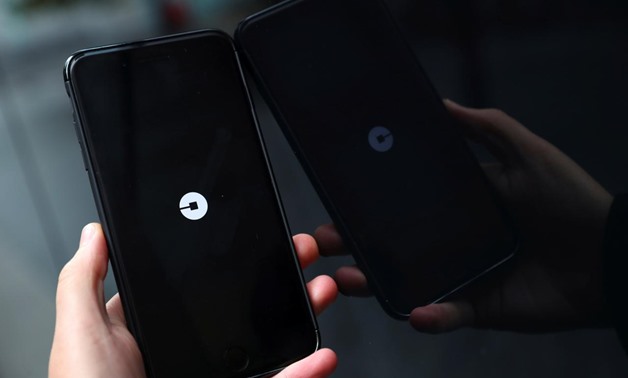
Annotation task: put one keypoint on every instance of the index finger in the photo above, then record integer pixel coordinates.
(329, 241)
(306, 248)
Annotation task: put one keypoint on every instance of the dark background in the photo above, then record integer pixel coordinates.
(559, 67)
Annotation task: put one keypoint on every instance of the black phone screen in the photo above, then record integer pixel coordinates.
(392, 168)
(203, 258)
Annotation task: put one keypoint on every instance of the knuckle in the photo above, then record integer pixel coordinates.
(496, 114)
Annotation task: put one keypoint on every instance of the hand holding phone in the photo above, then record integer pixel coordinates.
(92, 339)
(189, 207)
(555, 283)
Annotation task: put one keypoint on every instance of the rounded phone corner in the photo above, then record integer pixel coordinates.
(240, 28)
(243, 25)
(317, 336)
(246, 22)
(392, 311)
(217, 33)
(70, 62)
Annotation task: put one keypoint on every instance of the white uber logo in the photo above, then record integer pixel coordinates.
(193, 206)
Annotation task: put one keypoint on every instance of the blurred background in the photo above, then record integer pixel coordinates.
(561, 67)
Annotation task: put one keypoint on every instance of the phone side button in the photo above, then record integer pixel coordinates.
(76, 130)
(236, 359)
(84, 155)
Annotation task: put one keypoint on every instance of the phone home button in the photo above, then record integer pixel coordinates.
(236, 359)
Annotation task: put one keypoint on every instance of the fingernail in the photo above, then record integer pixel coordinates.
(87, 234)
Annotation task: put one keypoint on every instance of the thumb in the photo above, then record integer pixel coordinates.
(80, 290)
(320, 364)
(442, 317)
(506, 138)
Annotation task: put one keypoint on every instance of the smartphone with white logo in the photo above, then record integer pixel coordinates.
(392, 168)
(200, 247)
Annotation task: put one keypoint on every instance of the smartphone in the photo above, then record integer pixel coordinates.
(199, 244)
(392, 168)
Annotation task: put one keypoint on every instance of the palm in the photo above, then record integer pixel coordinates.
(554, 281)
(121, 348)
(533, 296)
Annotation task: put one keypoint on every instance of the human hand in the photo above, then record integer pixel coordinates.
(92, 340)
(560, 211)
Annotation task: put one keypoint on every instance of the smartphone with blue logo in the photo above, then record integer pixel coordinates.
(392, 168)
